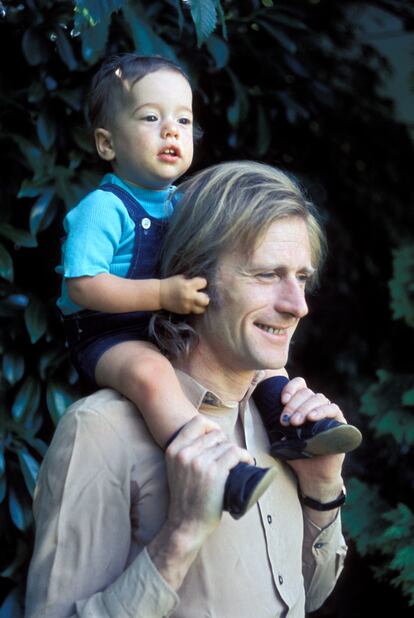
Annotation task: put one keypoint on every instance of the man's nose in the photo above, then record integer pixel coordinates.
(291, 299)
(170, 129)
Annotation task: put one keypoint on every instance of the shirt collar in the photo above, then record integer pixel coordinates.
(199, 395)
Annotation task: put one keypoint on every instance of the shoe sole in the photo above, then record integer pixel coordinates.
(260, 488)
(340, 439)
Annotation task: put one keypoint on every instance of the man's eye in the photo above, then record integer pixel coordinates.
(268, 275)
(304, 279)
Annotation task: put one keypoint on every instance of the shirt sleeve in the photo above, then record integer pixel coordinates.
(324, 552)
(94, 229)
(82, 506)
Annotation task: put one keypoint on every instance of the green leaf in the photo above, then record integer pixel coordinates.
(43, 212)
(34, 47)
(3, 488)
(2, 460)
(264, 132)
(19, 512)
(237, 112)
(219, 50)
(46, 130)
(13, 367)
(402, 294)
(32, 188)
(19, 237)
(11, 606)
(50, 359)
(88, 13)
(284, 41)
(362, 515)
(6, 264)
(65, 49)
(146, 41)
(30, 469)
(32, 153)
(21, 554)
(408, 398)
(35, 319)
(94, 40)
(58, 398)
(204, 16)
(27, 399)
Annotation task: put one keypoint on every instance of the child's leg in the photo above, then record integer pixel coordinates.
(142, 374)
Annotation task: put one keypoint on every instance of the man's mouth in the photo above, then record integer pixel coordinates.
(271, 329)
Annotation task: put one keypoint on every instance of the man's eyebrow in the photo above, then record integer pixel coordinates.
(306, 270)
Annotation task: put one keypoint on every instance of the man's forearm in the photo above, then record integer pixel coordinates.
(323, 492)
(172, 554)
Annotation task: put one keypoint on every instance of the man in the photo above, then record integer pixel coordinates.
(124, 529)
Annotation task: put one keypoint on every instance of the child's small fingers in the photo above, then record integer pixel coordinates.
(202, 299)
(199, 282)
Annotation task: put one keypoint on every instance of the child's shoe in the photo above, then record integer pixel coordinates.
(244, 486)
(323, 437)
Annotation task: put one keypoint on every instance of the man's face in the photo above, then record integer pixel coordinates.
(261, 300)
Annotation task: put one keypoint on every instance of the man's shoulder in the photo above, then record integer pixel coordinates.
(104, 418)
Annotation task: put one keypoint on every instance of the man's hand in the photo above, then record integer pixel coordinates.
(181, 295)
(319, 477)
(198, 462)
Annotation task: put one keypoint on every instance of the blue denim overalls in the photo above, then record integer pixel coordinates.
(90, 333)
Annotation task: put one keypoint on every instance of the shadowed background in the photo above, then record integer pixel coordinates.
(320, 88)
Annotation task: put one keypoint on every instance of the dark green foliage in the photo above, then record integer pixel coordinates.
(288, 83)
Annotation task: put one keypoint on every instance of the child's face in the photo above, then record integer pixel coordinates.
(150, 143)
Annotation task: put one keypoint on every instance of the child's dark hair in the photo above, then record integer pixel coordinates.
(112, 84)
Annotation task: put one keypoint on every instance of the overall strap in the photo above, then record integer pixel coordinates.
(134, 208)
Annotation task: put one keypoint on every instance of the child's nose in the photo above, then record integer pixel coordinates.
(170, 129)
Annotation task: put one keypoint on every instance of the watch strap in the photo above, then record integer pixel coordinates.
(323, 506)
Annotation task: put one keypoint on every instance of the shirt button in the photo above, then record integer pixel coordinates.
(280, 580)
(146, 223)
(269, 519)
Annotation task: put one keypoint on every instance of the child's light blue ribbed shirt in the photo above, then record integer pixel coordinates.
(100, 234)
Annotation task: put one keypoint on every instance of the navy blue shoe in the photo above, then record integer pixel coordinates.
(323, 437)
(244, 486)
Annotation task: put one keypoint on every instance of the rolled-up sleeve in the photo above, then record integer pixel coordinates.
(324, 552)
(82, 511)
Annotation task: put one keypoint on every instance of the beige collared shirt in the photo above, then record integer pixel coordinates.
(102, 496)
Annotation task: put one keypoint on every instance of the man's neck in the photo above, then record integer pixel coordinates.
(205, 367)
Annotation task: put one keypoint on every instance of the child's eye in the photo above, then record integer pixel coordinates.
(150, 118)
(184, 121)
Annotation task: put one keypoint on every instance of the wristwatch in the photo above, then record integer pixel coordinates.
(323, 506)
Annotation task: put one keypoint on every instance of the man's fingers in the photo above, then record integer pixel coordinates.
(292, 387)
(197, 427)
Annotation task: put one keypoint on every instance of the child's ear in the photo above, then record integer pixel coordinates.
(104, 145)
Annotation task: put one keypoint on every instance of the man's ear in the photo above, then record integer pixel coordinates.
(104, 144)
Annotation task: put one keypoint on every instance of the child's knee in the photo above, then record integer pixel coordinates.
(148, 373)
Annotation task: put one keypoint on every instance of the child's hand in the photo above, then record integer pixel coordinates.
(181, 295)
